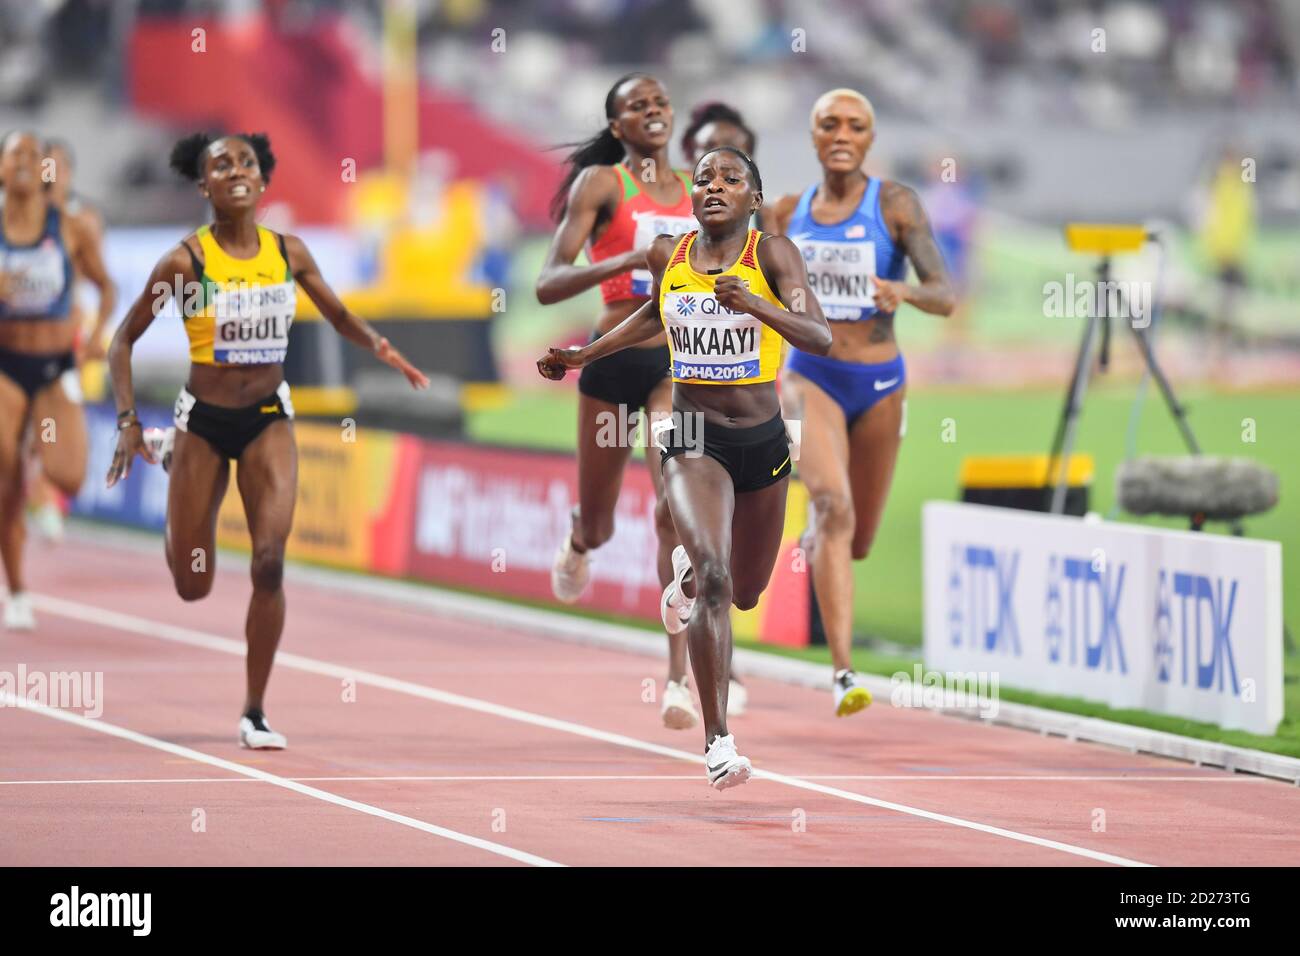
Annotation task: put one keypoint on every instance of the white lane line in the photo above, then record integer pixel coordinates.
(558, 624)
(490, 778)
(508, 778)
(37, 783)
(181, 635)
(9, 700)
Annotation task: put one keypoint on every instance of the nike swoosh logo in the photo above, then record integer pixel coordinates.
(674, 288)
(881, 386)
(780, 466)
(270, 409)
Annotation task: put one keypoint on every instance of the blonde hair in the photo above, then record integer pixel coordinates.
(845, 92)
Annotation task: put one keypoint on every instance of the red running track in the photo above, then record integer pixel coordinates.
(425, 738)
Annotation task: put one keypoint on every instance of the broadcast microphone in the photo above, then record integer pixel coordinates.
(1200, 487)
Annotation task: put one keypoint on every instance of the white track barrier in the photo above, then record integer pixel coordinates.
(1173, 622)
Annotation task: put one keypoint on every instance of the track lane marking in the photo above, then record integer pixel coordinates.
(91, 614)
(7, 699)
(510, 778)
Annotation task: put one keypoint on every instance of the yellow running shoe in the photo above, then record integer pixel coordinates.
(850, 696)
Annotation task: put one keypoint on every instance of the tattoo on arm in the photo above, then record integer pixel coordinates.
(904, 213)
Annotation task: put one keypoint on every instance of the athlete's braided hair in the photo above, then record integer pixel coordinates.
(749, 163)
(603, 149)
(187, 154)
(714, 112)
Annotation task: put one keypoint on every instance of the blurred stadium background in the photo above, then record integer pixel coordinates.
(413, 136)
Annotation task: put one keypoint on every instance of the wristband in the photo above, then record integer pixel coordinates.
(127, 424)
(129, 413)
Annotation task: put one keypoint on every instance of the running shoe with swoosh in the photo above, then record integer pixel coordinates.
(725, 767)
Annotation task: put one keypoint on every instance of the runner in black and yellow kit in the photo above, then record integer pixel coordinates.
(620, 192)
(722, 294)
(237, 281)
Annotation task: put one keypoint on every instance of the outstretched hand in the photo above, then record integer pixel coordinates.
(556, 362)
(385, 352)
(130, 442)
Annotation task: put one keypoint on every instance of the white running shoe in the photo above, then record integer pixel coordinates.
(678, 711)
(725, 767)
(161, 441)
(570, 573)
(18, 612)
(675, 607)
(48, 520)
(262, 737)
(737, 699)
(850, 696)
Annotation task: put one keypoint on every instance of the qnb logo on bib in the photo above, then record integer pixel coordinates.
(649, 225)
(252, 324)
(839, 273)
(37, 278)
(711, 343)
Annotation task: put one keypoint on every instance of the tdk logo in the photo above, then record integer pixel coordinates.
(1083, 599)
(981, 588)
(1196, 604)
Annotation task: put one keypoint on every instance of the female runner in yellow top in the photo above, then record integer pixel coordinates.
(237, 281)
(727, 295)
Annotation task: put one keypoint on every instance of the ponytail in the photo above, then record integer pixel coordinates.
(603, 149)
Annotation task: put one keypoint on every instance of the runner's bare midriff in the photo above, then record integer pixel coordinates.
(37, 337)
(234, 386)
(869, 341)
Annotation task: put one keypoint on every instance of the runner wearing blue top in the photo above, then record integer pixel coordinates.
(41, 250)
(856, 233)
